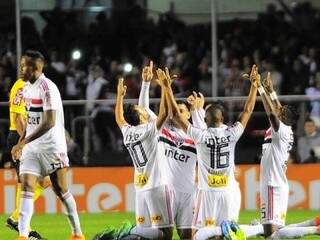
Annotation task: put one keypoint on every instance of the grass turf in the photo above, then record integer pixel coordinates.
(55, 226)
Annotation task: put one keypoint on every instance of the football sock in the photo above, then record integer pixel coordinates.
(71, 212)
(294, 232)
(26, 211)
(308, 223)
(252, 230)
(150, 233)
(207, 232)
(15, 214)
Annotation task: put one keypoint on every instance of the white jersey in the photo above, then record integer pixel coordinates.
(40, 96)
(178, 158)
(142, 144)
(215, 149)
(275, 154)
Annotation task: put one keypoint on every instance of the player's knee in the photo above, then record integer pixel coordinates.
(184, 233)
(28, 183)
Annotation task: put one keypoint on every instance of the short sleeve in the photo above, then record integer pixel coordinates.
(237, 130)
(50, 96)
(152, 128)
(195, 133)
(124, 129)
(17, 104)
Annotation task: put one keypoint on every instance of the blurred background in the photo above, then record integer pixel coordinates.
(88, 44)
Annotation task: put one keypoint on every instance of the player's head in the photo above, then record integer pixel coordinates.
(31, 65)
(288, 115)
(184, 109)
(135, 114)
(214, 115)
(309, 127)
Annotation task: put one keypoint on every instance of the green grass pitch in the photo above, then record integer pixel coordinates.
(55, 226)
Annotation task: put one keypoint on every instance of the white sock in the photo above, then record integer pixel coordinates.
(71, 212)
(252, 230)
(308, 223)
(26, 211)
(147, 232)
(293, 232)
(207, 232)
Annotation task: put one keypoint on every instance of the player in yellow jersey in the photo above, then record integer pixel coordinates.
(17, 128)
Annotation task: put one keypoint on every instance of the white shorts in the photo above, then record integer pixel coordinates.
(42, 164)
(153, 208)
(182, 208)
(213, 207)
(274, 204)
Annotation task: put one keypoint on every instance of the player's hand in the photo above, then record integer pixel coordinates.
(255, 76)
(200, 102)
(121, 88)
(147, 72)
(16, 151)
(163, 79)
(192, 102)
(267, 83)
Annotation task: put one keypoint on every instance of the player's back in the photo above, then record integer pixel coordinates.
(177, 155)
(215, 149)
(275, 154)
(43, 95)
(141, 142)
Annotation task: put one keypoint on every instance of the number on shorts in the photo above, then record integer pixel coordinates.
(219, 154)
(137, 154)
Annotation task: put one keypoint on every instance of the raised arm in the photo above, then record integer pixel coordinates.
(251, 99)
(267, 104)
(196, 109)
(173, 109)
(147, 75)
(268, 86)
(163, 109)
(121, 91)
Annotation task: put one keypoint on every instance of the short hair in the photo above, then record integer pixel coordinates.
(184, 103)
(34, 55)
(309, 119)
(291, 114)
(131, 115)
(217, 105)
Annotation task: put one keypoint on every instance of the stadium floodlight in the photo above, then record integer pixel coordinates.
(76, 54)
(127, 67)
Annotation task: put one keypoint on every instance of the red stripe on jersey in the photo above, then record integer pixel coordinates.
(36, 101)
(267, 134)
(44, 86)
(173, 138)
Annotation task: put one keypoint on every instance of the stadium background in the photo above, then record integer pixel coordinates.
(208, 44)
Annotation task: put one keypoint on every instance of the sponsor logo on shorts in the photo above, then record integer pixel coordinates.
(209, 222)
(140, 219)
(217, 180)
(156, 218)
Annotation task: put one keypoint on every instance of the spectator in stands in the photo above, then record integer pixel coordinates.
(309, 144)
(96, 85)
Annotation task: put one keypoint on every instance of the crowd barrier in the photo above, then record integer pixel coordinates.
(101, 189)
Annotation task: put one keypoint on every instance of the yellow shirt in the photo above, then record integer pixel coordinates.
(16, 102)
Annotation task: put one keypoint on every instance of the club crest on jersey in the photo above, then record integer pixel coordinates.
(178, 141)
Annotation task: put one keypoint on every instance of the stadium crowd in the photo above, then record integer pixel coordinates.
(282, 42)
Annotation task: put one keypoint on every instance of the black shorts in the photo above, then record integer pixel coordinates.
(12, 139)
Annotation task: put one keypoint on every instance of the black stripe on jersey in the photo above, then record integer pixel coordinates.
(268, 140)
(35, 109)
(186, 148)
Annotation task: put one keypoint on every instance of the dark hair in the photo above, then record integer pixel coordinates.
(219, 106)
(131, 115)
(34, 55)
(290, 113)
(184, 103)
(309, 119)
